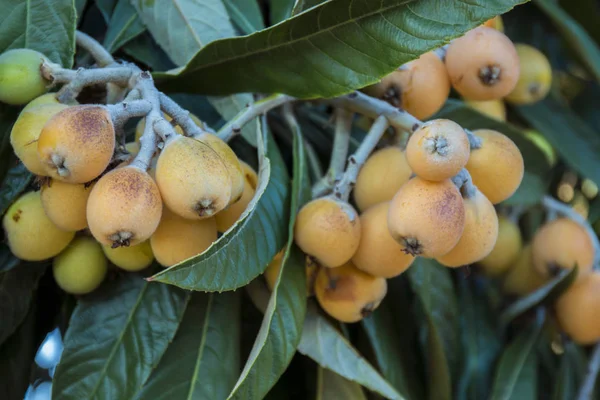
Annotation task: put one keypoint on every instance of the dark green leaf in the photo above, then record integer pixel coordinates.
(243, 252)
(47, 26)
(322, 342)
(515, 373)
(144, 49)
(567, 379)
(584, 105)
(204, 359)
(576, 142)
(8, 116)
(584, 12)
(432, 284)
(124, 25)
(79, 7)
(331, 49)
(230, 106)
(279, 334)
(115, 338)
(281, 10)
(182, 28)
(16, 358)
(7, 260)
(15, 182)
(578, 39)
(387, 341)
(547, 293)
(16, 291)
(106, 8)
(245, 14)
(481, 340)
(333, 386)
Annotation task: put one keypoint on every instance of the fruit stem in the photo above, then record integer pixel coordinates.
(355, 161)
(474, 141)
(181, 117)
(339, 153)
(253, 110)
(122, 112)
(554, 205)
(464, 183)
(372, 107)
(585, 392)
(99, 53)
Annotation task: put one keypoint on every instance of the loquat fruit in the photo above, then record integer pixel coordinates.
(495, 23)
(347, 293)
(81, 267)
(132, 258)
(26, 132)
(492, 108)
(497, 167)
(193, 178)
(438, 150)
(578, 310)
(31, 235)
(562, 244)
(384, 172)
(176, 239)
(535, 78)
(124, 207)
(506, 250)
(21, 79)
(522, 278)
(229, 216)
(328, 230)
(427, 218)
(66, 203)
(483, 64)
(48, 98)
(77, 144)
(274, 269)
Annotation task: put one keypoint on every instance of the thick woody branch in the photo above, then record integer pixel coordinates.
(355, 162)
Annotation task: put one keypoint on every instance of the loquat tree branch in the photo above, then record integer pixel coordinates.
(355, 161)
(181, 117)
(96, 50)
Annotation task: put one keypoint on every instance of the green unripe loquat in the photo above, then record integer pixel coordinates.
(21, 79)
(132, 258)
(81, 267)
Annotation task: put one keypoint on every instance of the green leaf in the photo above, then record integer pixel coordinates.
(245, 14)
(515, 373)
(331, 49)
(322, 342)
(8, 116)
(578, 39)
(279, 334)
(281, 10)
(15, 182)
(432, 284)
(47, 26)
(481, 340)
(204, 359)
(124, 25)
(106, 8)
(7, 260)
(576, 142)
(333, 386)
(116, 336)
(390, 345)
(144, 49)
(584, 12)
(546, 294)
(243, 252)
(183, 27)
(230, 106)
(16, 292)
(79, 7)
(567, 381)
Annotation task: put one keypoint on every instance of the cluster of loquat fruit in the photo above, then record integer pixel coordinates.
(96, 201)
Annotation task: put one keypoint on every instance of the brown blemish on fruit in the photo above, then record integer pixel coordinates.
(17, 215)
(339, 288)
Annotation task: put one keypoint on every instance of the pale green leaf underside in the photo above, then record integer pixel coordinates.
(124, 25)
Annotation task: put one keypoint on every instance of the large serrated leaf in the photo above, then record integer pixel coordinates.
(15, 182)
(574, 140)
(432, 284)
(115, 338)
(280, 10)
(47, 26)
(245, 14)
(124, 25)
(203, 360)
(183, 27)
(333, 386)
(245, 250)
(280, 331)
(331, 49)
(515, 372)
(16, 292)
(322, 342)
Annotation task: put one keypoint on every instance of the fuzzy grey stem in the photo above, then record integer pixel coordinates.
(355, 161)
(474, 141)
(235, 125)
(464, 183)
(554, 205)
(98, 52)
(180, 116)
(148, 141)
(122, 112)
(339, 153)
(587, 388)
(372, 107)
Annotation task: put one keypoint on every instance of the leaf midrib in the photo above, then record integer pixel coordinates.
(292, 41)
(201, 347)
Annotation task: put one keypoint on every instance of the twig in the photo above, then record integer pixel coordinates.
(355, 162)
(585, 392)
(181, 117)
(474, 141)
(234, 126)
(339, 153)
(551, 204)
(464, 183)
(99, 53)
